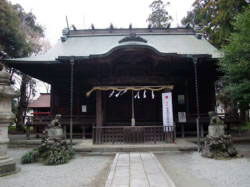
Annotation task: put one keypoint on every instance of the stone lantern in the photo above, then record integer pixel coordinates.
(217, 145)
(7, 164)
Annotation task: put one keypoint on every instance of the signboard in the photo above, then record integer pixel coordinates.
(181, 99)
(84, 108)
(167, 109)
(182, 117)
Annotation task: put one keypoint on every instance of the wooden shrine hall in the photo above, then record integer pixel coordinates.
(109, 83)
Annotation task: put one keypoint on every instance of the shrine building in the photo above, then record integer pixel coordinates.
(111, 83)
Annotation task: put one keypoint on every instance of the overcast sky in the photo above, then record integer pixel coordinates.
(82, 13)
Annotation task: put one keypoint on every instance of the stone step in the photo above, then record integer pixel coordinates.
(180, 145)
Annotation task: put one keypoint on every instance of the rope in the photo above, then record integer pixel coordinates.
(132, 88)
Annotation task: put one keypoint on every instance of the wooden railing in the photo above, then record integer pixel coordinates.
(133, 134)
(77, 119)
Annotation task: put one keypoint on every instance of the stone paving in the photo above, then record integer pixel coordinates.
(137, 170)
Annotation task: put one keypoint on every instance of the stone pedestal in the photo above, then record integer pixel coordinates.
(216, 130)
(55, 133)
(217, 145)
(220, 147)
(7, 165)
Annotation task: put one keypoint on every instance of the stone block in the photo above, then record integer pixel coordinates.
(55, 133)
(7, 167)
(216, 130)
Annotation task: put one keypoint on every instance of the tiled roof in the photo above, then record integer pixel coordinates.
(86, 43)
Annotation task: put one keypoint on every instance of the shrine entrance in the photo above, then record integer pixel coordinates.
(130, 114)
(119, 110)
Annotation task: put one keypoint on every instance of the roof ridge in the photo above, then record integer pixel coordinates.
(127, 31)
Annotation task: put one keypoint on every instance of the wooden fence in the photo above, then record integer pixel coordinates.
(39, 123)
(133, 134)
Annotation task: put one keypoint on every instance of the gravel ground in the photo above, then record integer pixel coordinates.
(190, 169)
(82, 171)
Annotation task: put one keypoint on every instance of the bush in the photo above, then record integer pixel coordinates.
(56, 157)
(30, 157)
(56, 153)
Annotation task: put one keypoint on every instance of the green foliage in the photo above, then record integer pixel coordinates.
(19, 32)
(12, 40)
(58, 155)
(159, 18)
(50, 154)
(20, 36)
(33, 31)
(236, 61)
(30, 157)
(14, 104)
(215, 18)
(244, 127)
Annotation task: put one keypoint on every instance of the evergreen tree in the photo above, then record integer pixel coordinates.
(159, 18)
(236, 61)
(215, 18)
(19, 37)
(12, 39)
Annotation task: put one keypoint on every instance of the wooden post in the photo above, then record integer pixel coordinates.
(99, 112)
(195, 61)
(52, 100)
(99, 116)
(65, 131)
(83, 132)
(182, 130)
(202, 130)
(187, 107)
(133, 110)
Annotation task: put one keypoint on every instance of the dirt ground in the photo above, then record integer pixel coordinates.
(190, 169)
(82, 170)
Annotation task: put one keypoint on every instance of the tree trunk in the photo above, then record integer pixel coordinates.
(243, 116)
(23, 103)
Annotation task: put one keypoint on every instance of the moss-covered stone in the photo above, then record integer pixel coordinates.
(219, 147)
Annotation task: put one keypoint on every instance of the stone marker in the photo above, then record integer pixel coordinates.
(7, 164)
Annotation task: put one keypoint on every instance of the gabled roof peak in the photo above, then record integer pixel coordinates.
(132, 37)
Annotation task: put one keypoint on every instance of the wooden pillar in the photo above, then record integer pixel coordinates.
(183, 130)
(202, 130)
(83, 132)
(99, 117)
(186, 102)
(104, 108)
(52, 99)
(99, 112)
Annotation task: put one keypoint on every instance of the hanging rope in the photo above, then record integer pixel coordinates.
(124, 89)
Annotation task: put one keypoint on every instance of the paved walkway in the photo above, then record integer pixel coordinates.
(137, 170)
